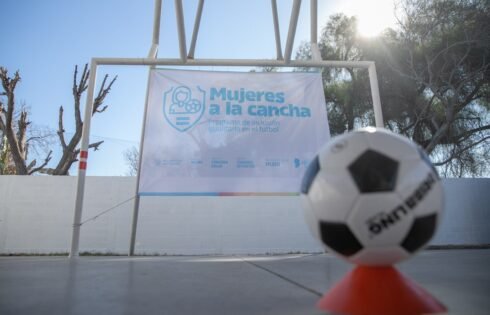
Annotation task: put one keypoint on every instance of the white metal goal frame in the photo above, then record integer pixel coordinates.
(187, 60)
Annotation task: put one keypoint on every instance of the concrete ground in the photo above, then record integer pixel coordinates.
(285, 284)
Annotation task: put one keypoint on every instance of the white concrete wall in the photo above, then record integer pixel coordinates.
(36, 215)
(466, 220)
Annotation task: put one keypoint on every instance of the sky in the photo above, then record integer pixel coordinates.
(45, 39)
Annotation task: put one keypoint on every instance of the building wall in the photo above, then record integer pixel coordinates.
(36, 216)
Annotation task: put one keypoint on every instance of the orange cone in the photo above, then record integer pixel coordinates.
(378, 291)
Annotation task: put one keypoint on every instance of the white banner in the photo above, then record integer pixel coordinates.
(231, 133)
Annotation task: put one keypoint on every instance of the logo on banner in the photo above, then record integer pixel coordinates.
(183, 107)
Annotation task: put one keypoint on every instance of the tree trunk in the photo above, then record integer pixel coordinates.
(17, 148)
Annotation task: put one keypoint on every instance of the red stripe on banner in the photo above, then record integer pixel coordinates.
(82, 165)
(83, 154)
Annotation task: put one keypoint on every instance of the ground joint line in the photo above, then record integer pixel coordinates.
(283, 278)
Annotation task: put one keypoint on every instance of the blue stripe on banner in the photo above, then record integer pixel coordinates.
(183, 118)
(179, 194)
(182, 123)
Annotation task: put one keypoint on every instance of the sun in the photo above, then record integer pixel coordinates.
(372, 16)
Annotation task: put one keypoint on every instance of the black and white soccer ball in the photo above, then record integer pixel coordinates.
(372, 197)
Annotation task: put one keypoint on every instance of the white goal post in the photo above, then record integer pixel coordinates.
(187, 60)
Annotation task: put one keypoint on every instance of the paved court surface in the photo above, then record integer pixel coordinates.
(286, 284)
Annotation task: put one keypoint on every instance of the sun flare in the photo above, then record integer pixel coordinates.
(372, 16)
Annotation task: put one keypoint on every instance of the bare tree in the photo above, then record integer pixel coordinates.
(70, 150)
(14, 149)
(131, 156)
(39, 140)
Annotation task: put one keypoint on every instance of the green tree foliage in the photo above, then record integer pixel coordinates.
(440, 57)
(346, 90)
(433, 73)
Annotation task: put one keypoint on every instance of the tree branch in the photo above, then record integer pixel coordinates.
(21, 137)
(81, 86)
(465, 135)
(103, 91)
(419, 116)
(436, 138)
(470, 97)
(94, 146)
(445, 50)
(78, 89)
(46, 161)
(61, 129)
(457, 153)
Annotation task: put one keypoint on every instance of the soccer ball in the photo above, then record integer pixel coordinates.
(372, 197)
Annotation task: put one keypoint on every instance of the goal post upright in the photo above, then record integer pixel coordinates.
(82, 165)
(153, 54)
(373, 83)
(187, 59)
(136, 204)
